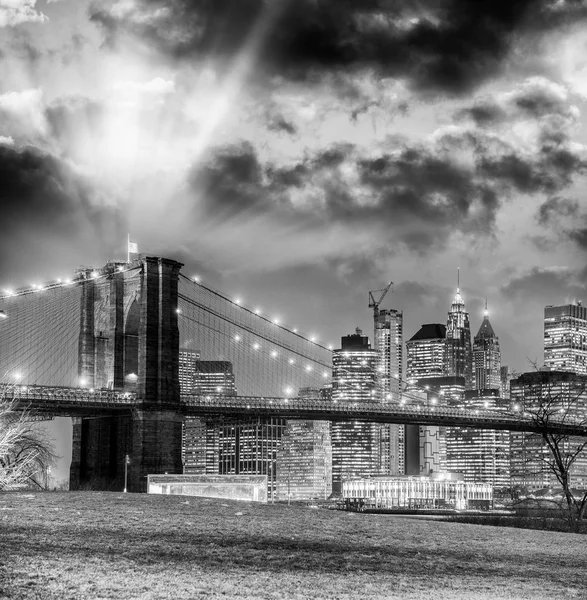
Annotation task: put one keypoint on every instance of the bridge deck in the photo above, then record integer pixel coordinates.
(67, 401)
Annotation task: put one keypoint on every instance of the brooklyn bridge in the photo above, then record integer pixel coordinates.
(104, 349)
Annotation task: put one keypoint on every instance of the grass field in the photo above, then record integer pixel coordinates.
(94, 545)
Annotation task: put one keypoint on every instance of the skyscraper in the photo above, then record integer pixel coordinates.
(425, 352)
(424, 446)
(200, 445)
(529, 454)
(458, 352)
(487, 356)
(565, 338)
(388, 336)
(304, 457)
(481, 455)
(355, 448)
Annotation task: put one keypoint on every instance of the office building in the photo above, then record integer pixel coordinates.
(429, 448)
(304, 457)
(355, 445)
(481, 455)
(388, 337)
(187, 368)
(425, 352)
(487, 356)
(424, 445)
(200, 444)
(557, 390)
(565, 338)
(506, 375)
(458, 360)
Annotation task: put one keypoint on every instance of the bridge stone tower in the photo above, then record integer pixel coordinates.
(129, 339)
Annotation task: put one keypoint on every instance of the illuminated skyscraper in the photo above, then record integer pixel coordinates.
(355, 445)
(487, 356)
(425, 352)
(565, 338)
(304, 456)
(529, 453)
(459, 355)
(388, 336)
(424, 446)
(481, 455)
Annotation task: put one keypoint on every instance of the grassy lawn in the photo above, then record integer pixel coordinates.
(108, 545)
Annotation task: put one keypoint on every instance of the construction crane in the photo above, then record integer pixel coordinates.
(374, 303)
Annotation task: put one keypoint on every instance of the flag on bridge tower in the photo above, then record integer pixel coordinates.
(133, 248)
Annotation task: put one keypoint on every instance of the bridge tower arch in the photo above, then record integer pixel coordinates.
(129, 339)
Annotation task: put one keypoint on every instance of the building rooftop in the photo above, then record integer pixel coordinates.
(430, 331)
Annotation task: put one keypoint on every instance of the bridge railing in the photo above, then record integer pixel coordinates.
(406, 412)
(39, 394)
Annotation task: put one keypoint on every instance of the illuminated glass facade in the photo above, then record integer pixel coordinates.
(528, 452)
(304, 461)
(487, 357)
(304, 457)
(481, 455)
(355, 446)
(458, 360)
(432, 444)
(425, 352)
(440, 491)
(388, 336)
(425, 450)
(565, 338)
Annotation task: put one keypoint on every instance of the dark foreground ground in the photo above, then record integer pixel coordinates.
(83, 545)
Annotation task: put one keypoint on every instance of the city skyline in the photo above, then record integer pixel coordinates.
(301, 182)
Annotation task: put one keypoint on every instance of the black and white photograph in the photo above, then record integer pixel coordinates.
(291, 299)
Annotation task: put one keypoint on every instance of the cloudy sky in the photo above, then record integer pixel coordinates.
(300, 153)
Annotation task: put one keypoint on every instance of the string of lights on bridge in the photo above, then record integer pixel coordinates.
(237, 302)
(81, 277)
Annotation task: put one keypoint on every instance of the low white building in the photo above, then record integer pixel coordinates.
(442, 490)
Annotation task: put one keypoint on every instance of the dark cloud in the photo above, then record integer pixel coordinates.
(579, 236)
(483, 113)
(277, 122)
(554, 208)
(547, 285)
(42, 198)
(230, 183)
(449, 46)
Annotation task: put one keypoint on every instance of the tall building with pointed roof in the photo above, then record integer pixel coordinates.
(458, 352)
(487, 356)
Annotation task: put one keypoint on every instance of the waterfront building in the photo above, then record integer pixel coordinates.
(487, 356)
(441, 490)
(529, 454)
(458, 360)
(388, 342)
(355, 445)
(565, 338)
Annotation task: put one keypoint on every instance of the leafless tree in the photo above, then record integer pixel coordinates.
(25, 451)
(549, 399)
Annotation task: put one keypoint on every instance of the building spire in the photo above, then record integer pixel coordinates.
(486, 313)
(458, 280)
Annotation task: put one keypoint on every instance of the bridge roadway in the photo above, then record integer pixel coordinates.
(66, 401)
